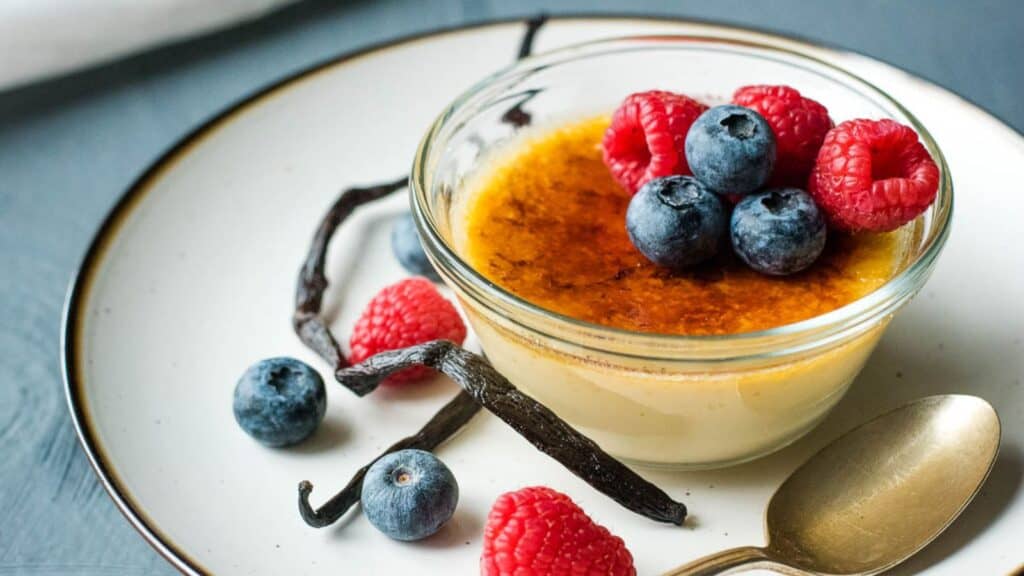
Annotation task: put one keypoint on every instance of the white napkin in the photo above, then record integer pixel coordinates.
(40, 38)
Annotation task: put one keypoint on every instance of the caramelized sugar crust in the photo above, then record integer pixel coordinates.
(547, 223)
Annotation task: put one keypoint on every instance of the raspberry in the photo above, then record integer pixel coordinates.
(647, 137)
(539, 532)
(799, 124)
(873, 175)
(404, 314)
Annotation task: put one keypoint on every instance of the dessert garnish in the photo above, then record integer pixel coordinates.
(404, 314)
(731, 149)
(799, 125)
(873, 175)
(778, 231)
(676, 221)
(863, 175)
(480, 382)
(537, 530)
(646, 137)
(408, 249)
(408, 495)
(448, 420)
(279, 401)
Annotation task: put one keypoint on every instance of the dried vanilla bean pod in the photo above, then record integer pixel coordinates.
(516, 116)
(533, 25)
(452, 417)
(309, 292)
(529, 418)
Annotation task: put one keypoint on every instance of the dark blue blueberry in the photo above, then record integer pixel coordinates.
(280, 401)
(407, 248)
(779, 231)
(409, 494)
(676, 222)
(731, 149)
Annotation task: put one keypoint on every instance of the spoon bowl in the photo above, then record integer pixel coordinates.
(876, 495)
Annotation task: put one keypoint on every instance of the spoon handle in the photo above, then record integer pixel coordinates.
(727, 562)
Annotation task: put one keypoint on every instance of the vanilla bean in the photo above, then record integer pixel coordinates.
(452, 417)
(309, 292)
(516, 116)
(533, 25)
(531, 419)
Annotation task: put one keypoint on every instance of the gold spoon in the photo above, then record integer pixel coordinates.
(876, 495)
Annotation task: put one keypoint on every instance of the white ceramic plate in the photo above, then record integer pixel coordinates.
(191, 280)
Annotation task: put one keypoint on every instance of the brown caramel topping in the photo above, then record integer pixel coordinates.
(547, 223)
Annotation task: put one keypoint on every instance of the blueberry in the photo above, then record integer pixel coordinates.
(409, 494)
(731, 149)
(675, 221)
(280, 401)
(408, 250)
(778, 231)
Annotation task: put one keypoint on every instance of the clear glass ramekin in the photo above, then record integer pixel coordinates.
(679, 401)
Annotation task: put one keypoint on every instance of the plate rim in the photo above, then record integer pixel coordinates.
(84, 275)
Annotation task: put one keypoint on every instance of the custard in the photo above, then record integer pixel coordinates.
(546, 222)
(541, 217)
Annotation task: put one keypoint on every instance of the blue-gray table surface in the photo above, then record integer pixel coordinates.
(69, 148)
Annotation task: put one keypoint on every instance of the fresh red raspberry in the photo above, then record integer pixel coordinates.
(799, 124)
(647, 137)
(404, 314)
(873, 175)
(540, 532)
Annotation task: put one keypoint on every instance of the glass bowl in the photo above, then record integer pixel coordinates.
(678, 401)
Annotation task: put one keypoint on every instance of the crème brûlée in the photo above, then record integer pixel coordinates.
(543, 219)
(547, 224)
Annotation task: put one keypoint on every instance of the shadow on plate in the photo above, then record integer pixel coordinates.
(330, 435)
(342, 263)
(995, 497)
(461, 530)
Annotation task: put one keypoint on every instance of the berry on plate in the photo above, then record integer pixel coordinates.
(873, 175)
(409, 494)
(279, 401)
(408, 250)
(778, 232)
(731, 149)
(404, 314)
(676, 222)
(646, 137)
(538, 532)
(799, 125)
